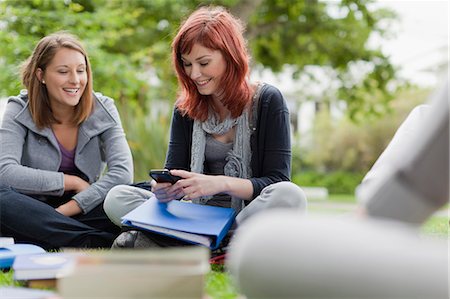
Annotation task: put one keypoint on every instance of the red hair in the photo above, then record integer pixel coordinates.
(216, 29)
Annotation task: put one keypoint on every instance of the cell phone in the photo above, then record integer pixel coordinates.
(163, 176)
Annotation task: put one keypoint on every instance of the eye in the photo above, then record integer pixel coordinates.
(204, 63)
(62, 71)
(81, 71)
(185, 64)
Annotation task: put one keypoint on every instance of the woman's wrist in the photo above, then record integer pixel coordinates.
(70, 208)
(74, 183)
(69, 183)
(237, 187)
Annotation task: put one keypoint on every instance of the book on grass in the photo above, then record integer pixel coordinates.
(50, 283)
(194, 223)
(8, 253)
(43, 266)
(139, 273)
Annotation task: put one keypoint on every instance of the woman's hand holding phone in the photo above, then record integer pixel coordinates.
(165, 187)
(163, 176)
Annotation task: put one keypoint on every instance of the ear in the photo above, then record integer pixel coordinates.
(39, 74)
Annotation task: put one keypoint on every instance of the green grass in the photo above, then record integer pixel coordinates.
(342, 198)
(219, 284)
(6, 279)
(437, 226)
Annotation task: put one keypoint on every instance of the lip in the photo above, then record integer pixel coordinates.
(202, 82)
(71, 91)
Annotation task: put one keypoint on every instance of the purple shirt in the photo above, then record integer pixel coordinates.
(67, 160)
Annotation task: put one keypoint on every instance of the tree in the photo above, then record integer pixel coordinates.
(129, 42)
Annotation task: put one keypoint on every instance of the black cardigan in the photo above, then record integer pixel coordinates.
(270, 143)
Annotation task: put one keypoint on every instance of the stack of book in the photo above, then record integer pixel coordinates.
(151, 273)
(43, 270)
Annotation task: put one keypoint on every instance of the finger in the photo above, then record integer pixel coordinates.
(153, 183)
(180, 195)
(195, 194)
(191, 195)
(174, 193)
(161, 186)
(160, 194)
(182, 173)
(165, 200)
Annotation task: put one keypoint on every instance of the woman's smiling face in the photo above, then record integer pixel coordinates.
(65, 78)
(205, 67)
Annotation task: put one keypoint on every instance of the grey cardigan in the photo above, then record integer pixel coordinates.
(30, 158)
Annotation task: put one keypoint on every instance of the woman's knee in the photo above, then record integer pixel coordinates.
(113, 203)
(287, 194)
(122, 199)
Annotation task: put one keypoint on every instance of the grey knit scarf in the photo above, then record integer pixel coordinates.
(238, 159)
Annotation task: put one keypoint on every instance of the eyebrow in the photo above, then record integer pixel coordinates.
(65, 65)
(199, 58)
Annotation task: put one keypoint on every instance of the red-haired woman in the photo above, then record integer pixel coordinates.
(230, 138)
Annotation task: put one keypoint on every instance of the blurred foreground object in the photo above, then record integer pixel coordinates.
(417, 182)
(155, 273)
(380, 256)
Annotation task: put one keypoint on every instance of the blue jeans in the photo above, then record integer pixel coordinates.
(34, 220)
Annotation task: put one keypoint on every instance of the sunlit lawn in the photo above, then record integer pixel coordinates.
(219, 284)
(437, 226)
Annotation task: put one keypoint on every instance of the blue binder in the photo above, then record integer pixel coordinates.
(194, 223)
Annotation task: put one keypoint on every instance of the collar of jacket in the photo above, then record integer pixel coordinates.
(98, 122)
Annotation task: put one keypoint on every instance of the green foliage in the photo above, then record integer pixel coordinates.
(121, 46)
(129, 47)
(342, 145)
(337, 182)
(329, 34)
(340, 152)
(147, 138)
(129, 41)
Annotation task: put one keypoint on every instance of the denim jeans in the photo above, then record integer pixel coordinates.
(34, 220)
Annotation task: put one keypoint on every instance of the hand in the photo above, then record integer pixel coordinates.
(194, 185)
(74, 183)
(166, 192)
(70, 208)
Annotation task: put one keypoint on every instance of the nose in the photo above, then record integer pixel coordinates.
(74, 77)
(195, 72)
